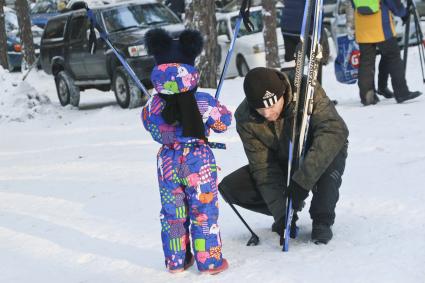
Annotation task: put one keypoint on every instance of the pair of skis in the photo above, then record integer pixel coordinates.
(299, 132)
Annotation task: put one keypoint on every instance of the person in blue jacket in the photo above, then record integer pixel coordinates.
(290, 24)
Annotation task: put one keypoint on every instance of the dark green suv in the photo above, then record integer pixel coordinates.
(65, 50)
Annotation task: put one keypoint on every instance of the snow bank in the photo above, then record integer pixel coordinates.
(19, 101)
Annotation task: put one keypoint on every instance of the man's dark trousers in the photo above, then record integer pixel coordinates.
(391, 64)
(240, 189)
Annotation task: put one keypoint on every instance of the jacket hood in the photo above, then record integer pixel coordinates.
(174, 78)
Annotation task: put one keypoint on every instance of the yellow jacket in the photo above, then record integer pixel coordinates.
(379, 26)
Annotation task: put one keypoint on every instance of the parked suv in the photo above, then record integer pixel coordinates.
(65, 50)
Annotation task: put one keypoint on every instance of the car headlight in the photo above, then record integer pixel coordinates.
(137, 51)
(258, 48)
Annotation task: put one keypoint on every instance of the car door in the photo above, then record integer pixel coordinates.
(224, 39)
(96, 62)
(52, 42)
(77, 47)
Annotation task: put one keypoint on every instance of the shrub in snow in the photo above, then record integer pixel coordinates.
(19, 101)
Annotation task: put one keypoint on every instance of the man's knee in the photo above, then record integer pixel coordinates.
(326, 193)
(226, 192)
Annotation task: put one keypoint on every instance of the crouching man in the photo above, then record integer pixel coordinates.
(263, 121)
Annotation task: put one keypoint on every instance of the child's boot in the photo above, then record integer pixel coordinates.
(219, 269)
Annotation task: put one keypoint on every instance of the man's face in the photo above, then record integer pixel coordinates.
(272, 113)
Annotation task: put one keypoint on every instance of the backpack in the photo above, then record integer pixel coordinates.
(367, 7)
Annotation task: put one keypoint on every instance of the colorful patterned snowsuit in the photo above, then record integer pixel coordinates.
(187, 176)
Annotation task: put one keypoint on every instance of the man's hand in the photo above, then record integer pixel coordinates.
(298, 195)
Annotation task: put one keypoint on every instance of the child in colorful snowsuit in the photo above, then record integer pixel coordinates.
(180, 118)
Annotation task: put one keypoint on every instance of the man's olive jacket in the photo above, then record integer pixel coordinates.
(266, 146)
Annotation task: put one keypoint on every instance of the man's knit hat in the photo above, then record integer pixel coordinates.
(263, 87)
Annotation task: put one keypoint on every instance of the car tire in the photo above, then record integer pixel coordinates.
(127, 94)
(242, 66)
(10, 66)
(68, 92)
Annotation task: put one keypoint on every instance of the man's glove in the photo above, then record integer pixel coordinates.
(298, 195)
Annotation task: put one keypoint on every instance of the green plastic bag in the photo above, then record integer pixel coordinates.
(367, 7)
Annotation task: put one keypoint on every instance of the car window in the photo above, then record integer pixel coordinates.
(11, 21)
(55, 29)
(257, 21)
(134, 16)
(279, 12)
(43, 7)
(78, 27)
(222, 28)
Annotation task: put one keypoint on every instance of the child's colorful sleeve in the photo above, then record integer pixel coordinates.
(219, 117)
(150, 118)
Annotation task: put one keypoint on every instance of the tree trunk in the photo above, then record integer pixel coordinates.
(3, 39)
(188, 15)
(205, 21)
(270, 38)
(24, 20)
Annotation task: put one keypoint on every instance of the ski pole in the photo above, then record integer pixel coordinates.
(243, 16)
(31, 68)
(254, 240)
(406, 36)
(104, 36)
(419, 37)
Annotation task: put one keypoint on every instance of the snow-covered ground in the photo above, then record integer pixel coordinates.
(79, 200)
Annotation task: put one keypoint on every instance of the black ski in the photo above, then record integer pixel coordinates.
(306, 110)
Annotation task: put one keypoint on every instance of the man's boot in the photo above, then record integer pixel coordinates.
(321, 233)
(410, 95)
(369, 98)
(385, 92)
